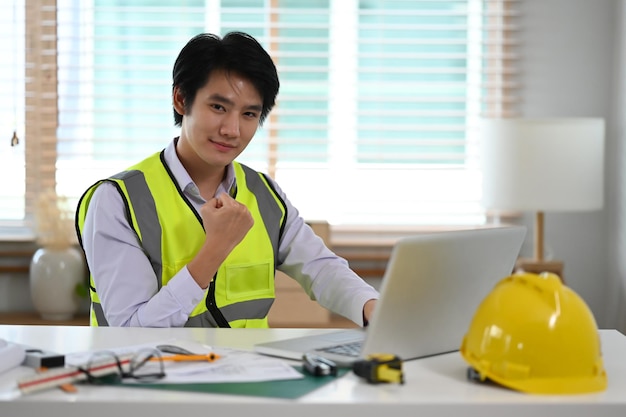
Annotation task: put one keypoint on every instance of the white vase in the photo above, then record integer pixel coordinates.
(54, 275)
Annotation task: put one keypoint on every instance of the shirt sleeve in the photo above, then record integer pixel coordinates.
(323, 275)
(125, 281)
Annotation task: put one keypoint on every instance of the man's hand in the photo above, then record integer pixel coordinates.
(226, 223)
(368, 310)
(226, 219)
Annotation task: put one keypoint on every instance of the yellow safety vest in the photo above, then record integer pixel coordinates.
(171, 233)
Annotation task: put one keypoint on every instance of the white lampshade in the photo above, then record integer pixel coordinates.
(543, 164)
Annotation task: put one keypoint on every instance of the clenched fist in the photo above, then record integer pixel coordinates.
(223, 216)
(226, 223)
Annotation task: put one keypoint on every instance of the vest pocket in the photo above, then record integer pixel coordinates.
(248, 281)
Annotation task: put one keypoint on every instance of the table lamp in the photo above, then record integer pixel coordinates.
(542, 165)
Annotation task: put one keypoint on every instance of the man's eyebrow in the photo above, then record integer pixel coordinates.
(220, 98)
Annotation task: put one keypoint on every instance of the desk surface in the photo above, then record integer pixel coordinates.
(434, 386)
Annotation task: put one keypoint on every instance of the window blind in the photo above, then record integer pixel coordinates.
(375, 121)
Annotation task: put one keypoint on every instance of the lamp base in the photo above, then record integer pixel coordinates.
(536, 266)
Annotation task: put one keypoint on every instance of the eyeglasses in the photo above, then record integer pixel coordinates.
(144, 365)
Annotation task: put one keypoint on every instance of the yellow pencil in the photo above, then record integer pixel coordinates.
(209, 357)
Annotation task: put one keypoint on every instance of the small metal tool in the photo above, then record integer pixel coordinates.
(176, 350)
(318, 366)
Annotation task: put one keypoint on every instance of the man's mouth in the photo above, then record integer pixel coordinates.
(222, 145)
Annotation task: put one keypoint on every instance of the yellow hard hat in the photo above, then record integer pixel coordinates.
(534, 334)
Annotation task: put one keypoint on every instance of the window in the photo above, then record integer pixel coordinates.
(12, 114)
(376, 113)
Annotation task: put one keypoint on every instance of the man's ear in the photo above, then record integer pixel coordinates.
(178, 101)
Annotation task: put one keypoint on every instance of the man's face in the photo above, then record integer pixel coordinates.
(221, 122)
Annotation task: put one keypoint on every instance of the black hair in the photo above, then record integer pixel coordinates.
(236, 52)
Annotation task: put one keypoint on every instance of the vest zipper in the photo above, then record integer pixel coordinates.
(212, 306)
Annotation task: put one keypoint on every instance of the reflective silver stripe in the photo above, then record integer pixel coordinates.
(147, 218)
(268, 207)
(245, 310)
(202, 320)
(251, 309)
(97, 309)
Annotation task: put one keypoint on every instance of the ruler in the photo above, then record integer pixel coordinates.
(56, 377)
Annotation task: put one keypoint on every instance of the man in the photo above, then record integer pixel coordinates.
(188, 236)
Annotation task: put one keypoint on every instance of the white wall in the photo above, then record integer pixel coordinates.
(568, 57)
(616, 184)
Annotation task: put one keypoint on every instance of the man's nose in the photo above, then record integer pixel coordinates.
(230, 126)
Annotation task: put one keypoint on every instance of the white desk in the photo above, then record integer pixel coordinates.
(434, 386)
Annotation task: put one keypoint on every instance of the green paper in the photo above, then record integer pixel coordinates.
(288, 389)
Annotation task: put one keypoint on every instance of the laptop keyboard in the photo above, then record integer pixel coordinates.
(352, 349)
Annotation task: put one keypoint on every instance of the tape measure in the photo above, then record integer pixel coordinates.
(380, 368)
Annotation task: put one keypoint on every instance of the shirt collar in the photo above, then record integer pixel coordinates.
(183, 179)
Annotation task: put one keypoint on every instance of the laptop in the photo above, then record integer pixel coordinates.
(431, 289)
